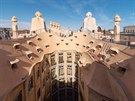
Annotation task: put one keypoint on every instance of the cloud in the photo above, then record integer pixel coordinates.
(21, 24)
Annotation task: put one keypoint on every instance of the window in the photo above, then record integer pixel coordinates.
(62, 84)
(19, 97)
(69, 82)
(43, 68)
(53, 70)
(77, 57)
(43, 82)
(76, 85)
(38, 73)
(62, 96)
(76, 71)
(69, 71)
(61, 58)
(45, 64)
(69, 57)
(61, 71)
(69, 66)
(30, 83)
(54, 87)
(38, 94)
(47, 76)
(69, 94)
(53, 60)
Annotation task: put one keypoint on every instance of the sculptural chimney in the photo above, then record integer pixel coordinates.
(14, 27)
(38, 24)
(117, 28)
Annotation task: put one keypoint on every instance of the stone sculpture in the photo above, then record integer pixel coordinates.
(38, 23)
(89, 23)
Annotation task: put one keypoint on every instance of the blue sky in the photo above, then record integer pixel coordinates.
(70, 13)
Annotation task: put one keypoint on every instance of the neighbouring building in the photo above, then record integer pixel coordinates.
(129, 29)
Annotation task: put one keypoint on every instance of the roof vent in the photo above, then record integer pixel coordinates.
(31, 43)
(29, 54)
(75, 36)
(84, 35)
(113, 51)
(87, 47)
(16, 46)
(13, 61)
(92, 50)
(101, 57)
(39, 49)
(99, 46)
(58, 44)
(50, 35)
(91, 42)
(66, 43)
(77, 44)
(46, 45)
(38, 38)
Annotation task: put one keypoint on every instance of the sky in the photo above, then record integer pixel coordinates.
(70, 13)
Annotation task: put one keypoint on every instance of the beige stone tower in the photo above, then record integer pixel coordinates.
(14, 27)
(117, 28)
